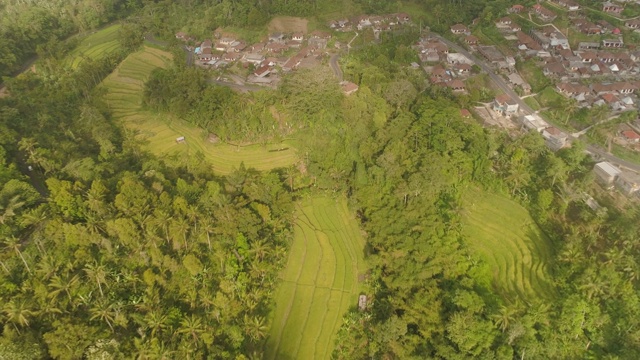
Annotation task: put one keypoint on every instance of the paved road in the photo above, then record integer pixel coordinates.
(603, 155)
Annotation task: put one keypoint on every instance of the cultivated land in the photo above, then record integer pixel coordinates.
(159, 132)
(319, 283)
(507, 238)
(95, 46)
(288, 24)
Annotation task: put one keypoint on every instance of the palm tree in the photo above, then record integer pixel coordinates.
(9, 209)
(504, 317)
(192, 327)
(156, 321)
(64, 284)
(255, 327)
(104, 311)
(17, 312)
(13, 243)
(97, 273)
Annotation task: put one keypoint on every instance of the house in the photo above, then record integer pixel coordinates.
(262, 71)
(514, 27)
(628, 182)
(231, 56)
(471, 40)
(587, 45)
(491, 53)
(570, 5)
(505, 105)
(462, 69)
(612, 8)
(613, 43)
(606, 173)
(348, 87)
(630, 136)
(534, 122)
(205, 55)
(254, 58)
(632, 24)
(516, 9)
(587, 56)
(516, 80)
(554, 69)
(181, 36)
(276, 37)
(555, 138)
(299, 37)
(459, 29)
(504, 22)
(464, 113)
(206, 44)
(456, 85)
(526, 42)
(457, 58)
(403, 18)
(572, 90)
(544, 13)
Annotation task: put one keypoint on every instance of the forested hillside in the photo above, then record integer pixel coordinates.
(108, 251)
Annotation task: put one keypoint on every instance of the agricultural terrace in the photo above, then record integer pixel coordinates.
(95, 46)
(160, 131)
(508, 239)
(319, 283)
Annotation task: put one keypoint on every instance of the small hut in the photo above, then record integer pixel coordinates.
(362, 302)
(180, 140)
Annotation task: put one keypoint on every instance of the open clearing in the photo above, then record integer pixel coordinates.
(508, 239)
(159, 132)
(288, 24)
(319, 283)
(95, 46)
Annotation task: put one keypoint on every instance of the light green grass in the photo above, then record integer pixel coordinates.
(95, 46)
(505, 236)
(319, 283)
(159, 132)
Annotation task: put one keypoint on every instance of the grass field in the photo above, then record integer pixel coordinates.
(319, 283)
(159, 132)
(95, 46)
(503, 233)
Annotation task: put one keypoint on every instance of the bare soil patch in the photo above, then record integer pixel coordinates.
(288, 24)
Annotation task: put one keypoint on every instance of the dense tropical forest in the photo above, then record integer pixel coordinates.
(108, 251)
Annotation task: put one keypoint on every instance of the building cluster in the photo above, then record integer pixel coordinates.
(279, 52)
(377, 23)
(447, 69)
(610, 176)
(554, 138)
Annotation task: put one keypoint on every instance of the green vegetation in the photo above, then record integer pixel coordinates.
(96, 46)
(511, 243)
(160, 131)
(117, 242)
(319, 283)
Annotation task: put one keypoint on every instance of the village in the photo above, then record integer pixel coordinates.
(589, 64)
(281, 53)
(596, 68)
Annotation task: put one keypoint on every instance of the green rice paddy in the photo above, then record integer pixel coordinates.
(159, 132)
(319, 283)
(95, 46)
(504, 234)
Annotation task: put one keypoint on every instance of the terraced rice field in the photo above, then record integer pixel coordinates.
(508, 239)
(319, 283)
(95, 46)
(159, 132)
